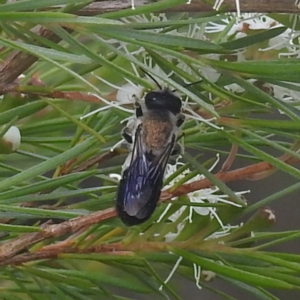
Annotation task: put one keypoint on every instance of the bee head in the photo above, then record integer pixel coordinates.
(163, 99)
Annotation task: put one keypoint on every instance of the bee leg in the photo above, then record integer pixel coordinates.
(180, 120)
(180, 135)
(138, 111)
(138, 108)
(126, 136)
(178, 150)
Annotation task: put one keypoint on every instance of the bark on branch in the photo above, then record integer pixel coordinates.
(265, 6)
(13, 247)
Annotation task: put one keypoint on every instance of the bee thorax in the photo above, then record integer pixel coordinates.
(157, 131)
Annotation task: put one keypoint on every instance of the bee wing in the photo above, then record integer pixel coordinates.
(144, 178)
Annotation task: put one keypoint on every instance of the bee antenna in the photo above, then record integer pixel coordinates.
(192, 83)
(189, 84)
(151, 77)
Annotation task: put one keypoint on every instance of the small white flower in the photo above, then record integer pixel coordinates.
(210, 73)
(258, 22)
(13, 136)
(246, 20)
(235, 88)
(132, 4)
(213, 27)
(208, 275)
(197, 275)
(218, 4)
(286, 94)
(129, 92)
(171, 236)
(116, 176)
(270, 215)
(209, 195)
(172, 272)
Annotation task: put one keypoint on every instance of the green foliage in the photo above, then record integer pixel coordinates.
(54, 174)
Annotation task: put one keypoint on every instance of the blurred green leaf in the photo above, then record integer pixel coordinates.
(244, 276)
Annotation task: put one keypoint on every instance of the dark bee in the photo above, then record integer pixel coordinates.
(153, 136)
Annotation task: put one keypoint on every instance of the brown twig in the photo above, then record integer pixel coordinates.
(54, 94)
(11, 248)
(98, 159)
(17, 62)
(47, 254)
(238, 174)
(272, 6)
(49, 231)
(230, 159)
(111, 249)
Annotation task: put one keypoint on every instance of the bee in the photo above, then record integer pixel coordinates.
(153, 137)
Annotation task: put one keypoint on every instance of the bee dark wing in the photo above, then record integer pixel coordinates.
(140, 187)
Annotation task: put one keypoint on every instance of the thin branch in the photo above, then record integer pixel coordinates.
(11, 248)
(17, 61)
(22, 258)
(230, 159)
(42, 91)
(119, 249)
(266, 6)
(97, 159)
(49, 231)
(238, 174)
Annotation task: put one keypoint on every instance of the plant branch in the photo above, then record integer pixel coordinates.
(54, 230)
(266, 6)
(119, 249)
(11, 248)
(97, 159)
(42, 91)
(17, 61)
(238, 174)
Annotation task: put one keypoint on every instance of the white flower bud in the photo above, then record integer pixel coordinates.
(13, 137)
